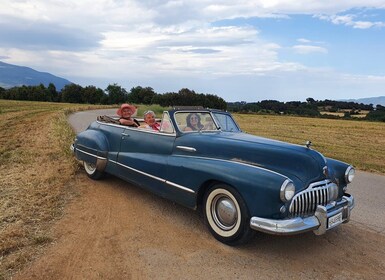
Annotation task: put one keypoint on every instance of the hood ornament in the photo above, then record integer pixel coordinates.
(325, 171)
(308, 144)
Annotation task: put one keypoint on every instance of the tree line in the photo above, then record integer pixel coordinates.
(311, 108)
(113, 94)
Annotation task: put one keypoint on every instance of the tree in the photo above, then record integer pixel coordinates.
(72, 93)
(141, 95)
(51, 93)
(116, 94)
(3, 93)
(376, 115)
(92, 95)
(310, 100)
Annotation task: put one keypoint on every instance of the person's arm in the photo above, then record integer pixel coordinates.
(128, 122)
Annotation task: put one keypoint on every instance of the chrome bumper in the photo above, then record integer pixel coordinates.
(317, 222)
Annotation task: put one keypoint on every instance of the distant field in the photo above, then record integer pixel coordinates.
(361, 114)
(359, 143)
(36, 166)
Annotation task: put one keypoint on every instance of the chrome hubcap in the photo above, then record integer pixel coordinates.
(224, 212)
(89, 167)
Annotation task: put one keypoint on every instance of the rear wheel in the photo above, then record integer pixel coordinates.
(91, 171)
(226, 215)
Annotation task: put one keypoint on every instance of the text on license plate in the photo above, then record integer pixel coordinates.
(335, 220)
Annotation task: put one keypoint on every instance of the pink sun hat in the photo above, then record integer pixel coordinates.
(132, 109)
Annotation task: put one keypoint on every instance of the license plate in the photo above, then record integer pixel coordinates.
(335, 220)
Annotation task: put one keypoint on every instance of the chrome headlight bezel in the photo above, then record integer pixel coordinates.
(349, 174)
(287, 190)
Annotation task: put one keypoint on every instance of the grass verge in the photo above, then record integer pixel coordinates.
(35, 171)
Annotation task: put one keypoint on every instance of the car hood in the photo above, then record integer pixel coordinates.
(299, 163)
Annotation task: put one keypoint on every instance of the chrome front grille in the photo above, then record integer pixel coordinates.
(320, 193)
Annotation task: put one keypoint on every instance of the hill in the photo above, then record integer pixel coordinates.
(370, 100)
(13, 76)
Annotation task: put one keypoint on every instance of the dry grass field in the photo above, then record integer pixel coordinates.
(35, 172)
(359, 143)
(36, 166)
(360, 115)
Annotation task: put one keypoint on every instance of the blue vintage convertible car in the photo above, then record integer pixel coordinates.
(242, 183)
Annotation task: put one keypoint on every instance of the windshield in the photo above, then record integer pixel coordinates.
(195, 121)
(226, 122)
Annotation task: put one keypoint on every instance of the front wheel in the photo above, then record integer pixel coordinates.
(91, 171)
(226, 215)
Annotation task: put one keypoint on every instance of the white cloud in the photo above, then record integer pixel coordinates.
(118, 40)
(303, 40)
(368, 24)
(306, 49)
(349, 20)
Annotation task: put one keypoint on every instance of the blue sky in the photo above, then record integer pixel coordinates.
(247, 50)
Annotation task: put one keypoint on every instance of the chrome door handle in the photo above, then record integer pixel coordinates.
(186, 149)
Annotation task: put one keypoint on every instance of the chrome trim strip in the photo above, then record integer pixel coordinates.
(138, 171)
(235, 161)
(187, 149)
(154, 177)
(319, 183)
(179, 186)
(84, 152)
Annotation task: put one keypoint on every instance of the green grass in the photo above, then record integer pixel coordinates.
(158, 110)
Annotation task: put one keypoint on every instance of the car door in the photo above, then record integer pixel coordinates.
(143, 157)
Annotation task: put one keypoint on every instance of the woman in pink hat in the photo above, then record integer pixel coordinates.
(125, 111)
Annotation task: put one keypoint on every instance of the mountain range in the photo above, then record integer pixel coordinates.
(14, 76)
(380, 100)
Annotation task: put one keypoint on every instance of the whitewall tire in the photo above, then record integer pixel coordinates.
(91, 171)
(226, 215)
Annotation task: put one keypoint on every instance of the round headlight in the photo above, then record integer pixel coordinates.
(349, 174)
(287, 190)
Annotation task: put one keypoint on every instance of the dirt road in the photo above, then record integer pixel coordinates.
(117, 231)
(113, 230)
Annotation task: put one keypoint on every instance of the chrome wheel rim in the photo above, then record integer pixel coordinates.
(89, 167)
(224, 212)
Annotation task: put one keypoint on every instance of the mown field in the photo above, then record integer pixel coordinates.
(37, 168)
(359, 143)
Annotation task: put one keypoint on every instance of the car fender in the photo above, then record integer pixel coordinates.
(92, 146)
(255, 184)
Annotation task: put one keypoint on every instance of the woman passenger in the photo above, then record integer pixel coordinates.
(193, 121)
(149, 119)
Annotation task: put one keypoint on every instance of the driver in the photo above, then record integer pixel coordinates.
(125, 112)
